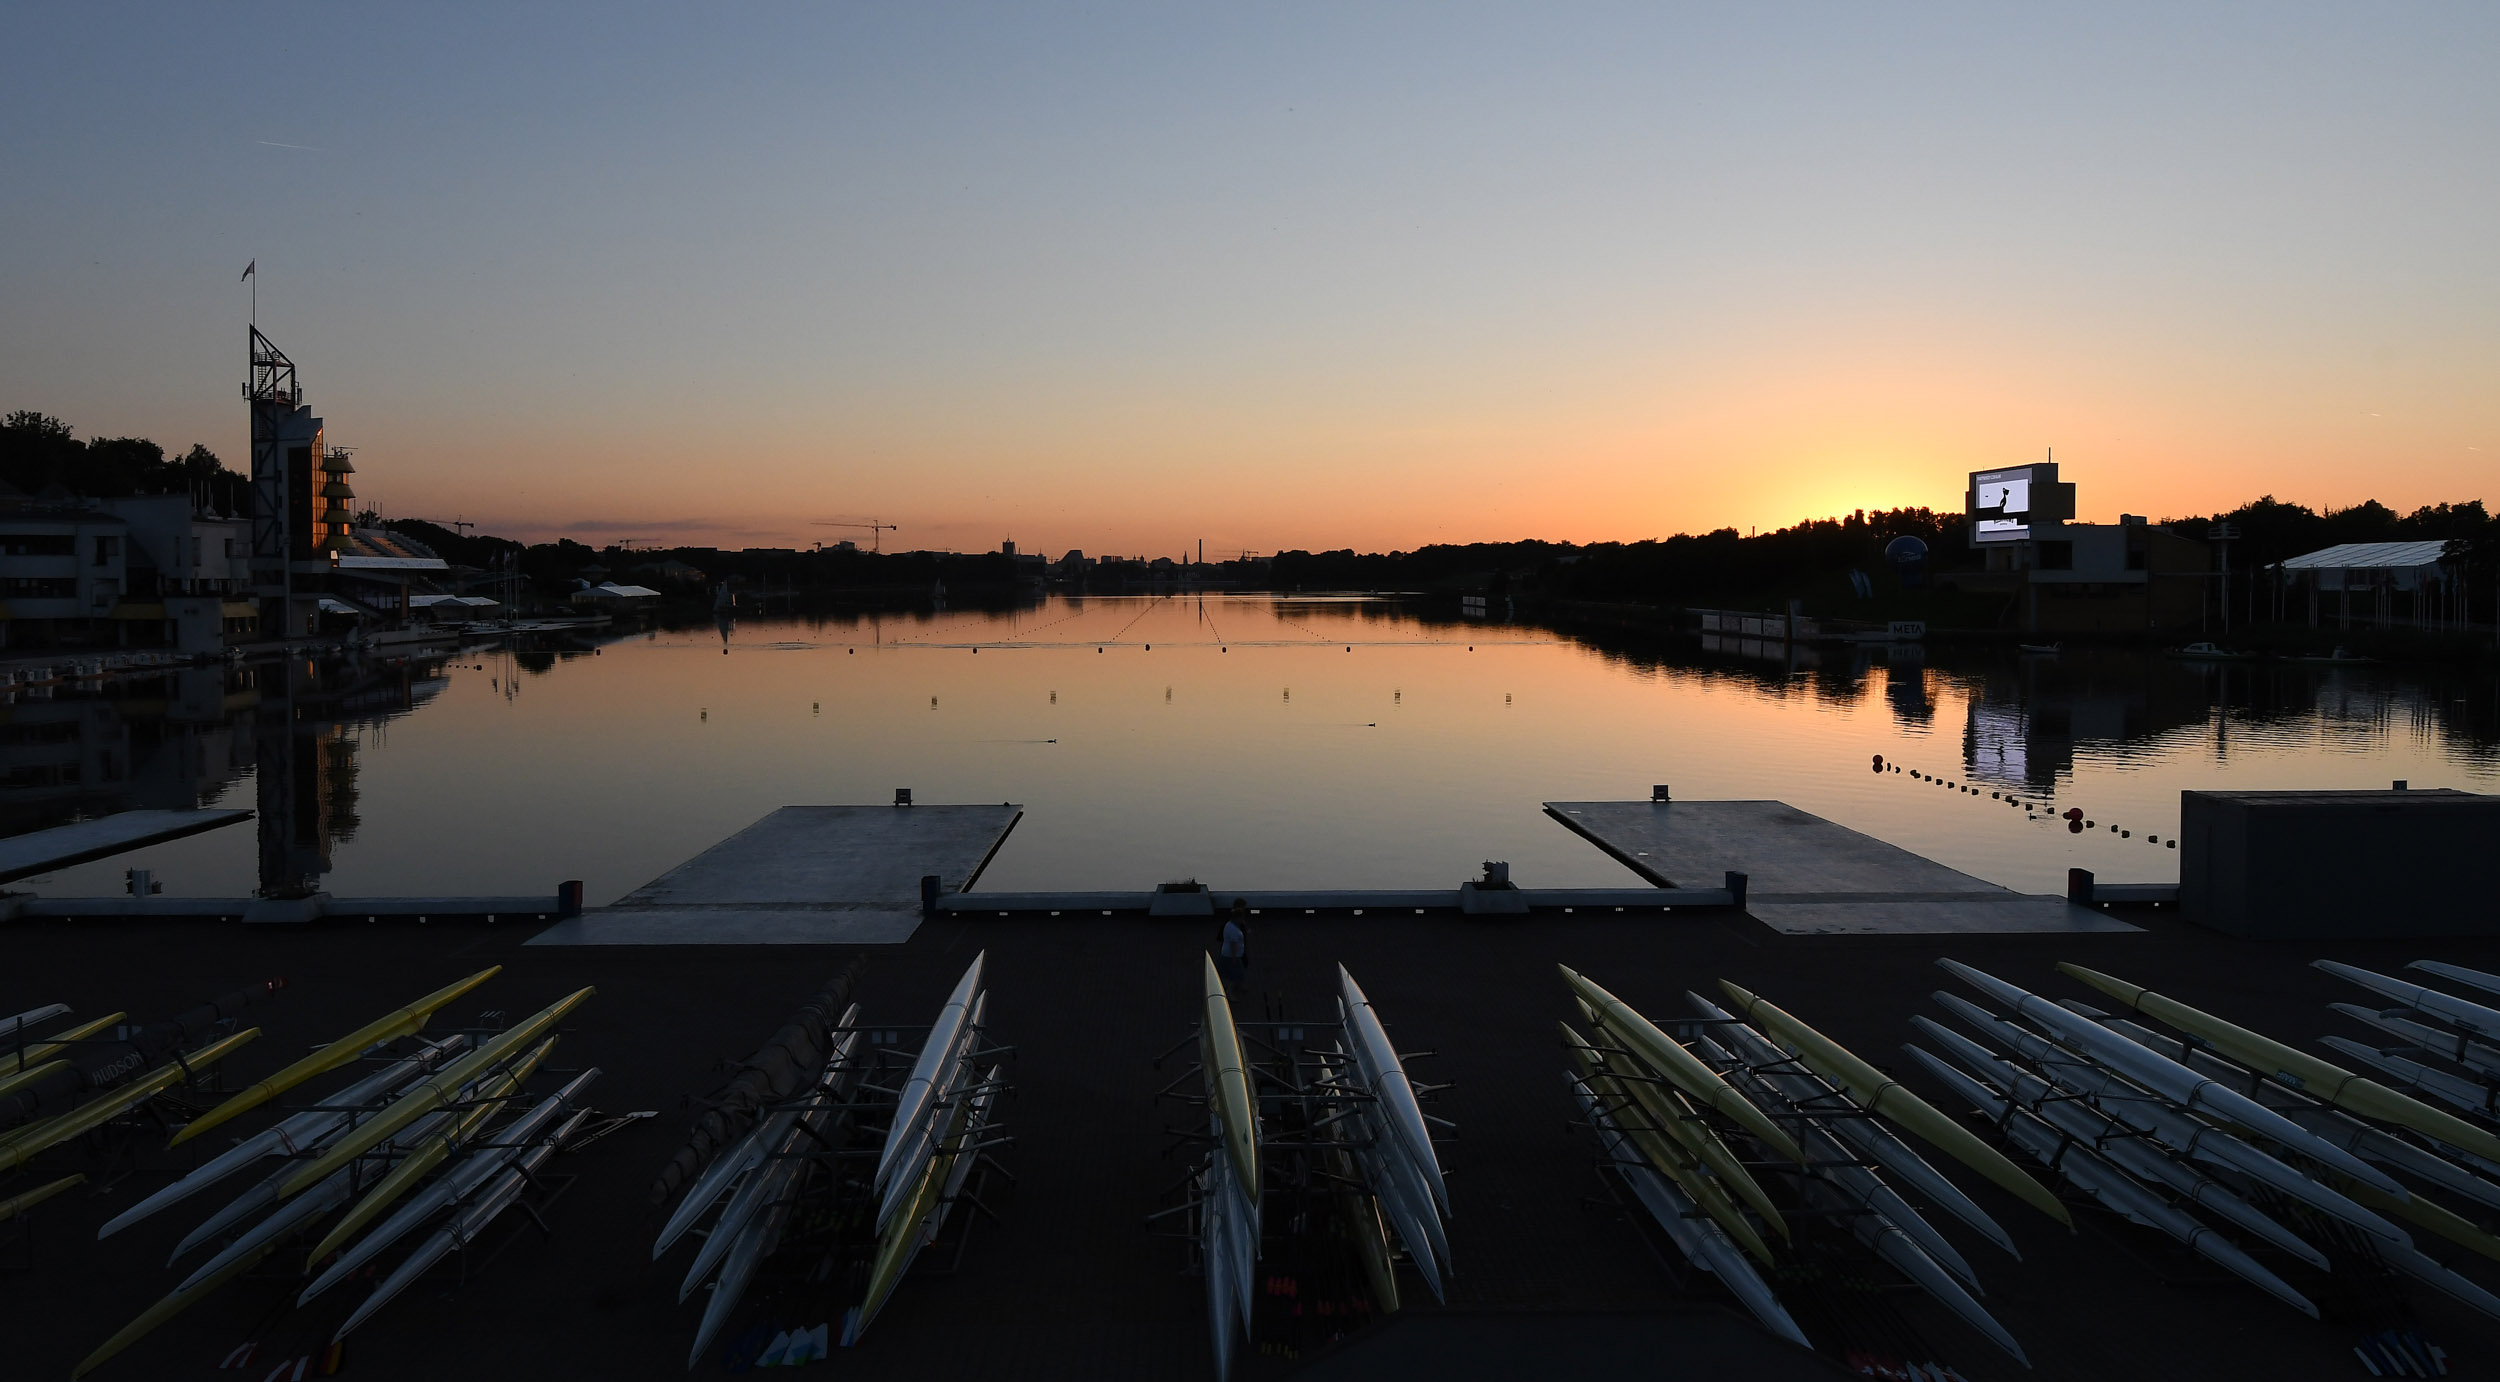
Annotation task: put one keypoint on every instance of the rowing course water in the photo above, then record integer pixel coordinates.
(1251, 741)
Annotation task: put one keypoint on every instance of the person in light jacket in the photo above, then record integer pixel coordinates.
(1232, 952)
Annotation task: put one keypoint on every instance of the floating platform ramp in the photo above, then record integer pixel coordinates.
(41, 851)
(804, 875)
(1809, 876)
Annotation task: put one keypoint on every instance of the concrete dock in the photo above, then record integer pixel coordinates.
(804, 875)
(1810, 876)
(41, 851)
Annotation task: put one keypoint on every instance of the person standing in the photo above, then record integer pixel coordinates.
(1232, 952)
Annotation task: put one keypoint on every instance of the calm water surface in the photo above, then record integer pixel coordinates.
(1245, 741)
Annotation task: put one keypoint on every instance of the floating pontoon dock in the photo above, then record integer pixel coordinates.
(41, 851)
(1810, 876)
(862, 875)
(804, 875)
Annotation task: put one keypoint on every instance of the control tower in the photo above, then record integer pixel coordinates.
(292, 547)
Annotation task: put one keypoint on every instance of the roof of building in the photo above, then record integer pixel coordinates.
(19, 513)
(430, 601)
(354, 562)
(386, 542)
(2355, 555)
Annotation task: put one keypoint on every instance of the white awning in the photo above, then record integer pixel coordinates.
(347, 563)
(2370, 556)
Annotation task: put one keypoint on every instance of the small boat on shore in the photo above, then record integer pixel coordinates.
(2210, 652)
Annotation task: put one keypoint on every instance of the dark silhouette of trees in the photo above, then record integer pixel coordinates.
(40, 453)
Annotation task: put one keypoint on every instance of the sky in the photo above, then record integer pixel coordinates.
(1126, 278)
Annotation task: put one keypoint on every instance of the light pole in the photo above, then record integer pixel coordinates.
(2222, 535)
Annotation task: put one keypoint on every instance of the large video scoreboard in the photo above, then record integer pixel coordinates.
(2013, 504)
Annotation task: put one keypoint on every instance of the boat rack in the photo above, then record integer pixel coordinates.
(830, 1239)
(1831, 1289)
(1313, 1283)
(123, 1145)
(18, 1252)
(1838, 1291)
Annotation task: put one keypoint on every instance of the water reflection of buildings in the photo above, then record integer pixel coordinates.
(1839, 672)
(2026, 725)
(183, 739)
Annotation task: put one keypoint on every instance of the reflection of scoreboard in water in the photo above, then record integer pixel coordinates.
(2014, 504)
(1996, 743)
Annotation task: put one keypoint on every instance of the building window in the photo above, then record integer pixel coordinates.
(2054, 556)
(106, 549)
(40, 587)
(38, 545)
(234, 548)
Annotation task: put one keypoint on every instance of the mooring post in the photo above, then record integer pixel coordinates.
(2079, 887)
(929, 894)
(569, 898)
(1736, 888)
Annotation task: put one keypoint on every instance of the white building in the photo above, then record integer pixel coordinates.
(150, 571)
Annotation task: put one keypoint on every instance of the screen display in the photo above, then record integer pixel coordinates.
(2009, 493)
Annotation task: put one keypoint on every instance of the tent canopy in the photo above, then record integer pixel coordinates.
(2370, 556)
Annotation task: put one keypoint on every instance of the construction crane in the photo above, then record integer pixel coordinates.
(457, 525)
(876, 529)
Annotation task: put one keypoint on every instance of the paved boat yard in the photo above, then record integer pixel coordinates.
(1550, 1278)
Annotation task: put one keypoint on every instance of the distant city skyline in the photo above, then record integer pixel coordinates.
(1128, 278)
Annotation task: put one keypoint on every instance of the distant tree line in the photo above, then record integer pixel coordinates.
(555, 567)
(2271, 531)
(1684, 569)
(1726, 566)
(39, 455)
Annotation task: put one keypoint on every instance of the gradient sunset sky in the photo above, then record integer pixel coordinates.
(1125, 277)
